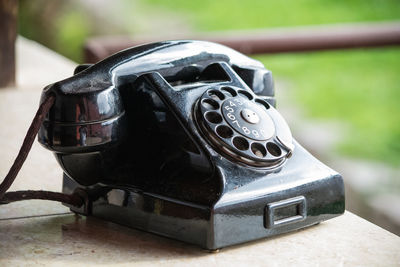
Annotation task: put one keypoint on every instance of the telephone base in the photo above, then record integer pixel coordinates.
(257, 210)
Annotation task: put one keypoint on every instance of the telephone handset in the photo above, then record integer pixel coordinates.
(89, 111)
(182, 138)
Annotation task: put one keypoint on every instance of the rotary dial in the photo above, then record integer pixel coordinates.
(244, 127)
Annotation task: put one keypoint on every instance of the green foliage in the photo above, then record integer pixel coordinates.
(56, 24)
(359, 87)
(238, 14)
(73, 30)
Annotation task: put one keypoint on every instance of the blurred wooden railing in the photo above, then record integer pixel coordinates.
(297, 39)
(8, 33)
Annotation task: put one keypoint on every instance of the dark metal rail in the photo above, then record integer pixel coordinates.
(297, 39)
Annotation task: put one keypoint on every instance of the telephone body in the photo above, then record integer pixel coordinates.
(182, 139)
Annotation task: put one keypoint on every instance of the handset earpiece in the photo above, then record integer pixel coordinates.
(86, 127)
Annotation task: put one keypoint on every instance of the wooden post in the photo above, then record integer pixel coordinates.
(8, 34)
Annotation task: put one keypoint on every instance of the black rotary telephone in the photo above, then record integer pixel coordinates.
(182, 139)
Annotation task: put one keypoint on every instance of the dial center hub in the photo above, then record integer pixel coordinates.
(250, 116)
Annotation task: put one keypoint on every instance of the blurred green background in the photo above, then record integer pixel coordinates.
(359, 87)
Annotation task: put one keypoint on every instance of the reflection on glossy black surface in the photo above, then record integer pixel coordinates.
(130, 132)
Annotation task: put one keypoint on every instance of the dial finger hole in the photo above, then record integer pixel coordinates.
(258, 150)
(245, 94)
(216, 95)
(240, 143)
(230, 92)
(209, 104)
(213, 117)
(262, 103)
(273, 149)
(224, 131)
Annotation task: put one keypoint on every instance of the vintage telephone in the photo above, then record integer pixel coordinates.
(182, 139)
